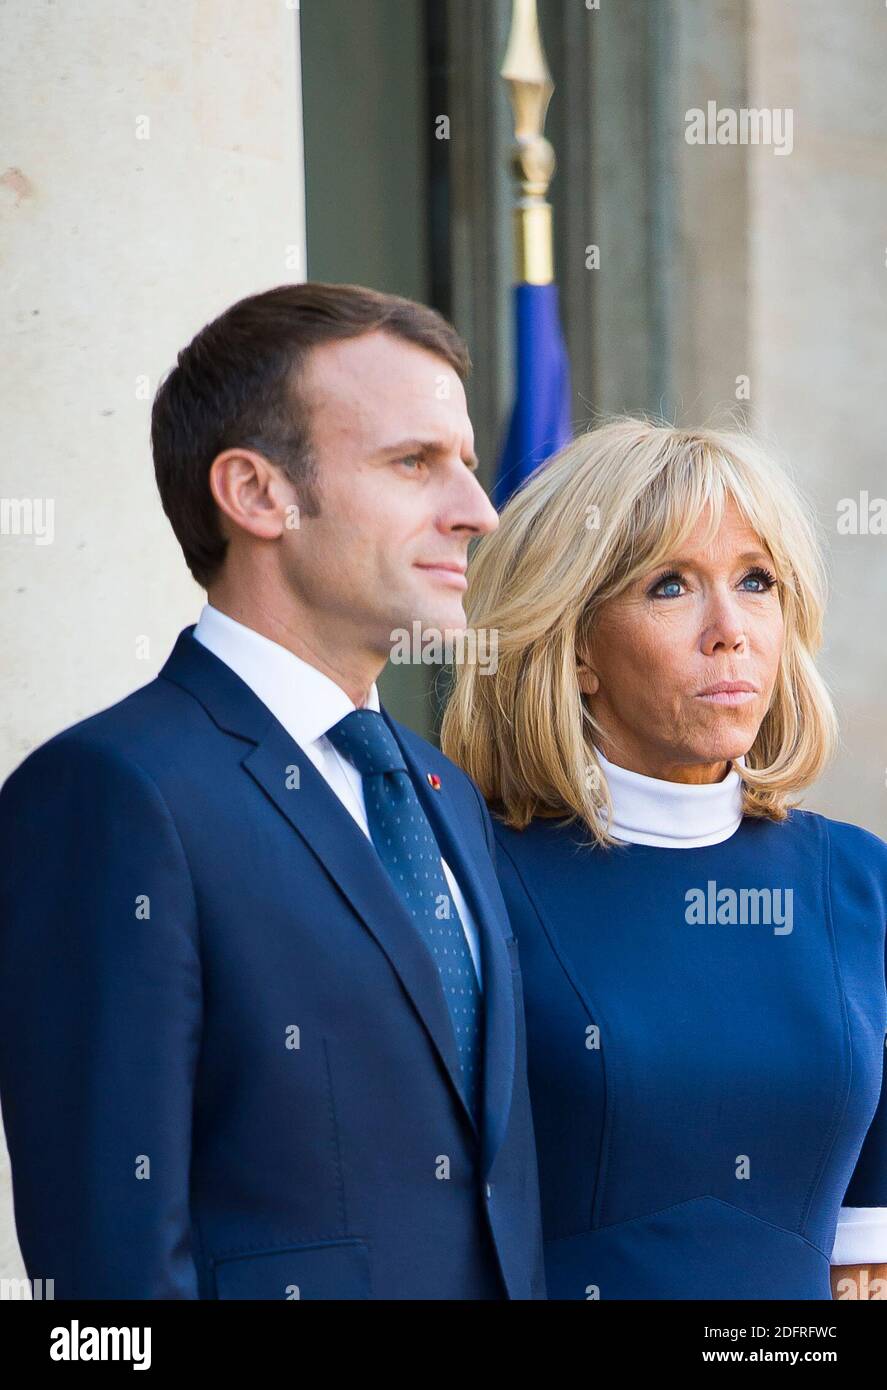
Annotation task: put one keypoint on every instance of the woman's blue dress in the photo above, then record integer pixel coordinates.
(705, 1064)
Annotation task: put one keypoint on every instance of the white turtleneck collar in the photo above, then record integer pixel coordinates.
(674, 815)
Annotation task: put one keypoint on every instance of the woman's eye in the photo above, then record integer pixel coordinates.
(763, 579)
(757, 581)
(669, 586)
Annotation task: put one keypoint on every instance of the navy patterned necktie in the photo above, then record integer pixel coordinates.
(411, 855)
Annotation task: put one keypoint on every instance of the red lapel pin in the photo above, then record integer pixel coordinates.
(434, 780)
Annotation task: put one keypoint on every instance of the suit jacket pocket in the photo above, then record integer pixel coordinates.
(325, 1269)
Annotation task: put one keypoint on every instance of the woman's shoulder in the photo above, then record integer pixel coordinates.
(842, 835)
(851, 849)
(844, 845)
(541, 834)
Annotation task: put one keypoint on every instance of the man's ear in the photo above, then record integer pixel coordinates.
(249, 492)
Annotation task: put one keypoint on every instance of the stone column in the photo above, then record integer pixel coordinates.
(153, 176)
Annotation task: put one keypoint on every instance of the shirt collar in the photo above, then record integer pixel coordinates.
(304, 700)
(673, 815)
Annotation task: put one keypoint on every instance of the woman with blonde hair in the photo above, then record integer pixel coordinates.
(702, 961)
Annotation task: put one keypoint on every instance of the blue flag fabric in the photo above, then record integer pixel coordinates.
(540, 421)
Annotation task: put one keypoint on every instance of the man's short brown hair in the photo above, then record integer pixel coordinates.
(237, 385)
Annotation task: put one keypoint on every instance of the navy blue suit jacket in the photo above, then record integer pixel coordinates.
(227, 1068)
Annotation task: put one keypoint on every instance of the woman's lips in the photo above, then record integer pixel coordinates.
(728, 697)
(728, 693)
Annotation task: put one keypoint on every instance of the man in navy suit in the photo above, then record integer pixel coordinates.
(261, 1022)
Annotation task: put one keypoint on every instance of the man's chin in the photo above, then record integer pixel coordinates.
(433, 619)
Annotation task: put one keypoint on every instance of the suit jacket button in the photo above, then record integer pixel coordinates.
(489, 1190)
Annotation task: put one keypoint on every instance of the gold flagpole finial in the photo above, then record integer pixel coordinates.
(526, 73)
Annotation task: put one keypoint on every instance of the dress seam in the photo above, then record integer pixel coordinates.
(673, 1206)
(596, 1016)
(838, 1111)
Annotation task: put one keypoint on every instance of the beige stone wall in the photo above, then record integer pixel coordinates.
(151, 175)
(817, 332)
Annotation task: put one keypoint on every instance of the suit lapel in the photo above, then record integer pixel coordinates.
(499, 1035)
(315, 812)
(351, 860)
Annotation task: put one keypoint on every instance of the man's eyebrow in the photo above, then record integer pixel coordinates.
(423, 446)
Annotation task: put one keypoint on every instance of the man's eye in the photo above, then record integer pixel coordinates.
(411, 458)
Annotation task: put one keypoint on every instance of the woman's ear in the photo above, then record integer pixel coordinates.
(588, 681)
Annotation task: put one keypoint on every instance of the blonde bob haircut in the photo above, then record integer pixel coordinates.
(612, 505)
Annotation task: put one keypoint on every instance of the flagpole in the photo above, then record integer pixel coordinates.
(540, 418)
(527, 76)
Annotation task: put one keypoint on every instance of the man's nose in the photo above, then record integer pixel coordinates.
(472, 509)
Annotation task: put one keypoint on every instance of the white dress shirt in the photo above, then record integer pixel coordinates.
(307, 703)
(681, 815)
